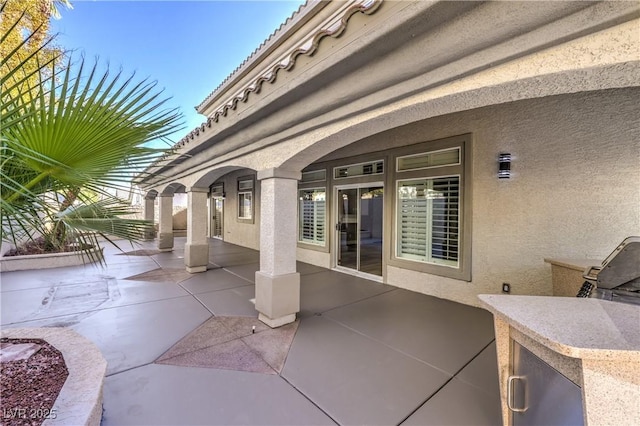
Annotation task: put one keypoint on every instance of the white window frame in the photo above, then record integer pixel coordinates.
(314, 241)
(463, 170)
(428, 258)
(242, 196)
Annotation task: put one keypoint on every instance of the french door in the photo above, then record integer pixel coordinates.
(359, 230)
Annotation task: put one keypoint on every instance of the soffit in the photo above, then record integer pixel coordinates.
(299, 36)
(403, 49)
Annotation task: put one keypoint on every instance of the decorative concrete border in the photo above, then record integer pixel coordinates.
(43, 261)
(80, 400)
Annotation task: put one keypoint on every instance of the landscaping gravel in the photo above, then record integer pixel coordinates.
(29, 385)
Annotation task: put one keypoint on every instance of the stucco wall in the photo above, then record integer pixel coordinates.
(314, 257)
(575, 190)
(237, 231)
(180, 219)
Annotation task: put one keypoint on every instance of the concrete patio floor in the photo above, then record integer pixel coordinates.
(363, 352)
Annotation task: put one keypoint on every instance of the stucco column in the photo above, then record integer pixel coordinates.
(149, 215)
(196, 251)
(165, 231)
(277, 282)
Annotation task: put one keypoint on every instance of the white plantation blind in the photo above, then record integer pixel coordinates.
(312, 216)
(445, 219)
(412, 221)
(428, 220)
(217, 216)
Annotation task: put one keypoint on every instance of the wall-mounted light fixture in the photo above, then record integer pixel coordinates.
(504, 166)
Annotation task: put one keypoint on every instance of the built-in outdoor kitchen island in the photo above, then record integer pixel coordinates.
(594, 343)
(573, 360)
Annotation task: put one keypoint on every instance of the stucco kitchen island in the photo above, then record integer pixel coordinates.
(593, 343)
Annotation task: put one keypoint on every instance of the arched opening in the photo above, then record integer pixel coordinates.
(420, 158)
(233, 205)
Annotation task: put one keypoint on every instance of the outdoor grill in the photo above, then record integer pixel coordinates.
(618, 278)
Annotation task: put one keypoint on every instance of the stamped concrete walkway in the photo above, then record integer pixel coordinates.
(363, 352)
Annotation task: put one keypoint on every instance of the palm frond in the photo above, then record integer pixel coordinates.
(93, 134)
(76, 130)
(105, 218)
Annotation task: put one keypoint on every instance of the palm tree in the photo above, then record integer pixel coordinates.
(77, 133)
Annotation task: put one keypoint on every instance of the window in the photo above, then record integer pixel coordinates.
(217, 189)
(312, 216)
(244, 185)
(245, 199)
(314, 176)
(445, 157)
(432, 202)
(362, 169)
(428, 220)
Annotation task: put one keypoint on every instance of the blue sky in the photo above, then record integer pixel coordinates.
(189, 47)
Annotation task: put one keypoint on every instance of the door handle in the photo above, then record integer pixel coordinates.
(338, 226)
(510, 395)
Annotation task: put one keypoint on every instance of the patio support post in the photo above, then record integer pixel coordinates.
(277, 282)
(165, 235)
(196, 251)
(149, 215)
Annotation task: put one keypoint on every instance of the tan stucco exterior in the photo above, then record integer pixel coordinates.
(244, 233)
(573, 155)
(553, 83)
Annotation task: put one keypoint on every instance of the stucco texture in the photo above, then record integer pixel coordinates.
(574, 191)
(236, 231)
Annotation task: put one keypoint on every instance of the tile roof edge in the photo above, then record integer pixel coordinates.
(298, 15)
(333, 27)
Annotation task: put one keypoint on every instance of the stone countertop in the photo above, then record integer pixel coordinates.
(575, 327)
(576, 264)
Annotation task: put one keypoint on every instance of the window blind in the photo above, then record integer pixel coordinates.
(217, 217)
(428, 220)
(444, 223)
(312, 216)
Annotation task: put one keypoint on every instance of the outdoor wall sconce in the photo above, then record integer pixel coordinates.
(504, 166)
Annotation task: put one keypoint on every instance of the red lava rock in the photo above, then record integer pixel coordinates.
(29, 388)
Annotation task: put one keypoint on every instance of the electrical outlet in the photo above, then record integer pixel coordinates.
(506, 288)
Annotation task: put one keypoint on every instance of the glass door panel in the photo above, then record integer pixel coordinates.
(347, 228)
(371, 206)
(216, 217)
(359, 227)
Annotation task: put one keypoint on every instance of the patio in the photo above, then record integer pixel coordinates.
(363, 353)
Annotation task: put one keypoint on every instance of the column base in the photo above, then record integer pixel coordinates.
(149, 235)
(277, 298)
(196, 257)
(278, 322)
(196, 269)
(165, 241)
